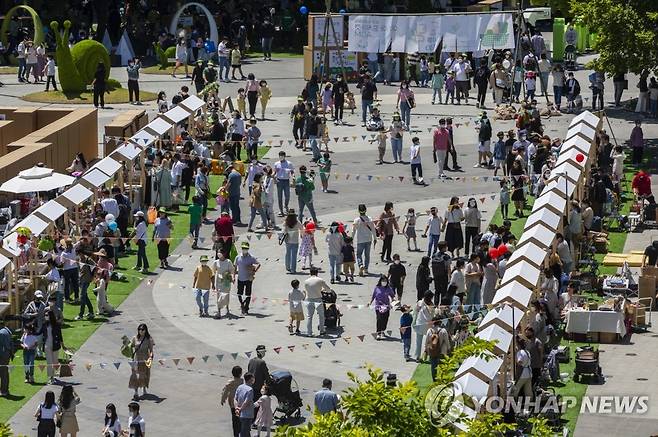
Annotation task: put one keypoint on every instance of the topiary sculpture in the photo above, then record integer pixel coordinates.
(77, 65)
(164, 55)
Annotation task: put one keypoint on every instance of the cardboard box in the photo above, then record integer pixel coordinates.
(608, 337)
(647, 286)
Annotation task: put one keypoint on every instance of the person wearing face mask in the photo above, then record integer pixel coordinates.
(111, 423)
(363, 233)
(338, 92)
(462, 69)
(381, 302)
(246, 267)
(472, 224)
(283, 171)
(434, 225)
(405, 102)
(133, 80)
(52, 340)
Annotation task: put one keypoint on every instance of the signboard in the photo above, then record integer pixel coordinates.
(318, 32)
(350, 63)
(423, 34)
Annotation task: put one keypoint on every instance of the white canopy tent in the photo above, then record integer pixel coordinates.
(107, 165)
(143, 138)
(523, 272)
(36, 179)
(33, 223)
(540, 234)
(10, 244)
(77, 194)
(547, 217)
(513, 292)
(582, 129)
(96, 177)
(51, 210)
(564, 168)
(472, 386)
(159, 126)
(578, 143)
(177, 114)
(481, 367)
(506, 316)
(586, 117)
(500, 336)
(550, 200)
(560, 184)
(528, 252)
(4, 261)
(571, 156)
(128, 151)
(192, 103)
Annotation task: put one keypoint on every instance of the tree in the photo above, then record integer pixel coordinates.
(373, 409)
(627, 33)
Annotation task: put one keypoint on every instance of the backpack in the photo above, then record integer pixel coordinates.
(300, 187)
(439, 266)
(434, 345)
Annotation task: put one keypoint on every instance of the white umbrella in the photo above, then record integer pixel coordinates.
(36, 179)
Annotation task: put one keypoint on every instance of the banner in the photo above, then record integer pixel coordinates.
(318, 31)
(423, 34)
(350, 62)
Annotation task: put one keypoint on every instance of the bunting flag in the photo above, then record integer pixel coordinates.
(235, 355)
(176, 361)
(291, 348)
(318, 344)
(190, 360)
(277, 349)
(248, 354)
(361, 337)
(219, 357)
(88, 366)
(161, 361)
(117, 364)
(205, 358)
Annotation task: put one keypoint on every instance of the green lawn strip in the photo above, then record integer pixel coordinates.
(276, 55)
(77, 332)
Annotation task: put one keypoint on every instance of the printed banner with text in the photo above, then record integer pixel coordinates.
(423, 34)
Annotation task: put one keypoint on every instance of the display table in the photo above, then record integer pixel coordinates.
(583, 322)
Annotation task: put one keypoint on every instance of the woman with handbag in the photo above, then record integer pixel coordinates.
(142, 345)
(45, 415)
(405, 102)
(453, 227)
(67, 422)
(52, 340)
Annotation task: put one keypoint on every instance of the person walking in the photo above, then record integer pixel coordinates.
(46, 414)
(438, 80)
(472, 224)
(462, 69)
(224, 274)
(223, 51)
(246, 267)
(499, 81)
(68, 258)
(437, 345)
(133, 80)
(283, 172)
(98, 85)
(142, 346)
(267, 35)
(335, 245)
(52, 337)
(364, 233)
(441, 145)
(396, 131)
(381, 299)
(434, 225)
(87, 266)
(256, 204)
(202, 283)
(68, 422)
(415, 162)
(386, 225)
(49, 70)
(453, 228)
(162, 232)
(228, 395)
(423, 312)
(338, 91)
(290, 236)
(304, 187)
(233, 183)
(181, 57)
(368, 95)
(244, 404)
(636, 142)
(258, 367)
(252, 88)
(405, 102)
(314, 286)
(481, 80)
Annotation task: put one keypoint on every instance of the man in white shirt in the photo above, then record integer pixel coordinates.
(314, 287)
(434, 225)
(222, 53)
(461, 69)
(135, 422)
(363, 234)
(414, 160)
(20, 55)
(109, 204)
(283, 171)
(176, 172)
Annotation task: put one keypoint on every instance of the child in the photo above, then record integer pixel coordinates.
(450, 87)
(405, 330)
(265, 95)
(194, 212)
(241, 101)
(264, 418)
(307, 247)
(375, 122)
(530, 85)
(348, 259)
(29, 344)
(327, 101)
(104, 308)
(295, 300)
(409, 229)
(323, 129)
(49, 71)
(236, 63)
(437, 84)
(381, 145)
(396, 275)
(504, 198)
(253, 137)
(351, 104)
(618, 156)
(325, 171)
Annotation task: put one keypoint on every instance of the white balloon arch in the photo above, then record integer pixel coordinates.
(214, 36)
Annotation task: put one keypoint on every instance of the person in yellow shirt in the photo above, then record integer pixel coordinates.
(202, 284)
(241, 100)
(265, 95)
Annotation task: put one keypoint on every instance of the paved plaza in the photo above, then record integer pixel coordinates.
(186, 396)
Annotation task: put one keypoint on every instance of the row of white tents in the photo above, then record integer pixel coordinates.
(477, 377)
(42, 219)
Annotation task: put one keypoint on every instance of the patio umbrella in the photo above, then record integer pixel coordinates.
(36, 179)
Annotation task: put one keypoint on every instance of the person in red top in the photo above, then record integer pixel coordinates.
(441, 143)
(642, 184)
(223, 234)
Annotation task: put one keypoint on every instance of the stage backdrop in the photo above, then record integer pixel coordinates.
(423, 34)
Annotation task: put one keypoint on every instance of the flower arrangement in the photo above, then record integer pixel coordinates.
(23, 234)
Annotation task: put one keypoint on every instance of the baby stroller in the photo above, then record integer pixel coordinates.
(290, 401)
(570, 57)
(331, 313)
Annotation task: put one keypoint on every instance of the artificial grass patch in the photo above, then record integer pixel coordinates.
(119, 95)
(76, 332)
(8, 70)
